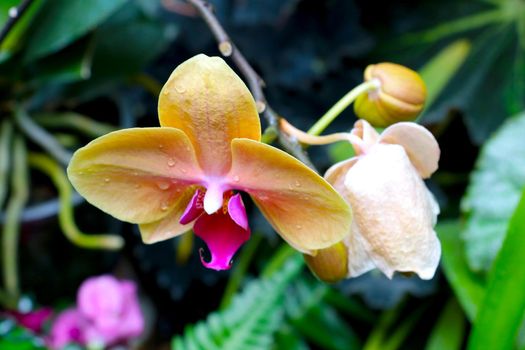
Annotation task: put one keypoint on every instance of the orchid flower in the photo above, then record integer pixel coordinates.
(394, 213)
(189, 173)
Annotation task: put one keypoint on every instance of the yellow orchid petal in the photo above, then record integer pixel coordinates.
(394, 215)
(169, 226)
(206, 99)
(136, 175)
(303, 208)
(419, 143)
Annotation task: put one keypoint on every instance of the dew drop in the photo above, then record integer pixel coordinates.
(171, 162)
(184, 171)
(298, 227)
(164, 207)
(161, 146)
(180, 89)
(165, 92)
(135, 173)
(236, 178)
(106, 180)
(297, 184)
(80, 173)
(163, 185)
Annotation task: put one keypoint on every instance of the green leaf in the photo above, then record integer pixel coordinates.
(16, 36)
(125, 48)
(251, 319)
(442, 67)
(63, 21)
(449, 330)
(503, 306)
(494, 190)
(468, 287)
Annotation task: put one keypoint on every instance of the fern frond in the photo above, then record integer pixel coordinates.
(251, 320)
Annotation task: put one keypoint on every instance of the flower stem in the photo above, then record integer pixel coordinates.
(65, 215)
(6, 137)
(19, 195)
(341, 105)
(41, 137)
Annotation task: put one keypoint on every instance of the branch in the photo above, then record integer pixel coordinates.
(255, 83)
(14, 14)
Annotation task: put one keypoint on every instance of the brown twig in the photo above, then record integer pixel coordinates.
(254, 81)
(14, 14)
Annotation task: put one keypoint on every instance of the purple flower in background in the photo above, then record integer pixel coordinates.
(107, 312)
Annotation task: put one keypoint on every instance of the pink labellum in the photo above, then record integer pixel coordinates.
(223, 233)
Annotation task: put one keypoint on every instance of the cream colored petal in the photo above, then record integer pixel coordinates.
(364, 136)
(336, 174)
(359, 260)
(419, 143)
(302, 207)
(206, 99)
(393, 212)
(136, 175)
(169, 226)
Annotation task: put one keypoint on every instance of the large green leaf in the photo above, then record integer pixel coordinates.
(503, 306)
(493, 192)
(62, 21)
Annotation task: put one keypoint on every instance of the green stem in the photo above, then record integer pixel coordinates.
(41, 137)
(87, 126)
(65, 215)
(284, 252)
(341, 105)
(241, 267)
(5, 157)
(19, 195)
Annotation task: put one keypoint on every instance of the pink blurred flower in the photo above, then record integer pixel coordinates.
(69, 327)
(108, 312)
(111, 308)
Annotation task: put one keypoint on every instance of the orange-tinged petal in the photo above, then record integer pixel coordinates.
(169, 226)
(136, 175)
(302, 207)
(206, 99)
(419, 143)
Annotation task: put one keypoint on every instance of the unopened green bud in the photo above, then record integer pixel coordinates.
(400, 96)
(329, 264)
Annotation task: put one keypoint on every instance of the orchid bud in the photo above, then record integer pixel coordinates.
(400, 97)
(329, 264)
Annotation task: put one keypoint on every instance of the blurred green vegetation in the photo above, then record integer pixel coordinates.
(72, 70)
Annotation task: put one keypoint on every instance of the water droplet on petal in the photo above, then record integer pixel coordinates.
(165, 92)
(298, 227)
(180, 88)
(171, 162)
(297, 184)
(163, 185)
(106, 180)
(161, 146)
(184, 171)
(236, 178)
(164, 207)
